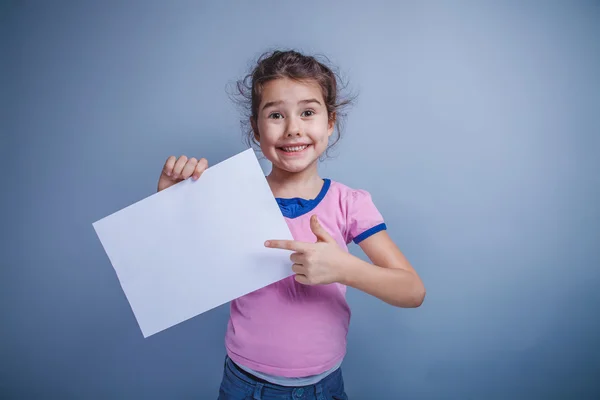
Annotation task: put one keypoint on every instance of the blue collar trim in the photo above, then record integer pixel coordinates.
(295, 207)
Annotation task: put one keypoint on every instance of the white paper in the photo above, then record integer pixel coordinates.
(198, 244)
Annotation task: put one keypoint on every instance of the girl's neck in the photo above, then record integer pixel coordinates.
(305, 184)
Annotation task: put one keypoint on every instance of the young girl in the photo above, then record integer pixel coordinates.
(288, 340)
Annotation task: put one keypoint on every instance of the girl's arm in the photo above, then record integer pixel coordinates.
(390, 278)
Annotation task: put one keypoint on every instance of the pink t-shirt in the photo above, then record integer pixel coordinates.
(293, 330)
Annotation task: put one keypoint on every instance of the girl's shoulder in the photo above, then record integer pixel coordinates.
(350, 200)
(347, 193)
(361, 217)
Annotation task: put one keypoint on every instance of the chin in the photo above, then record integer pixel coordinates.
(294, 166)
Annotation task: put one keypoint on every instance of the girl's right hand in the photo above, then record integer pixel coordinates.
(176, 170)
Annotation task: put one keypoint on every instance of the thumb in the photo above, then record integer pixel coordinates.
(320, 232)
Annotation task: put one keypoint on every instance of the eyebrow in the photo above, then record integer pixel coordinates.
(275, 103)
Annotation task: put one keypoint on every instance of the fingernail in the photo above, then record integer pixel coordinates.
(267, 243)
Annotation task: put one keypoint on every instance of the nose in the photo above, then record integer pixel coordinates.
(293, 127)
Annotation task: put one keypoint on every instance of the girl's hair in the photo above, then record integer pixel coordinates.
(293, 65)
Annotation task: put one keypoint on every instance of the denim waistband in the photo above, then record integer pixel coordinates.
(261, 385)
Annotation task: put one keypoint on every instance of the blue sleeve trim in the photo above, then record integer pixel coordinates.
(370, 232)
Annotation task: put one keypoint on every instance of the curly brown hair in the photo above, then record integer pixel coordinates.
(293, 65)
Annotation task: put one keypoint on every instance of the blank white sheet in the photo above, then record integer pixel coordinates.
(198, 244)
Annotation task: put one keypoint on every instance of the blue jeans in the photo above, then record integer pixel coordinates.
(239, 385)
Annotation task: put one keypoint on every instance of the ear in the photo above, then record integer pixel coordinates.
(331, 123)
(255, 129)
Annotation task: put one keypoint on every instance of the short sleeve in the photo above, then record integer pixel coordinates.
(363, 218)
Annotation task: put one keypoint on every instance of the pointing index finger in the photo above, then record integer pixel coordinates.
(292, 245)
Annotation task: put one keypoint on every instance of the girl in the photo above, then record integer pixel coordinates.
(288, 340)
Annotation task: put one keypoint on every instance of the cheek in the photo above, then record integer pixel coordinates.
(268, 139)
(265, 132)
(322, 132)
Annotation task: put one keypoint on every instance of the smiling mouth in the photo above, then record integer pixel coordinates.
(293, 149)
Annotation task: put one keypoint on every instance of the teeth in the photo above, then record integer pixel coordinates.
(294, 149)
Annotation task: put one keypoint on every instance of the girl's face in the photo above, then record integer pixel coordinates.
(292, 124)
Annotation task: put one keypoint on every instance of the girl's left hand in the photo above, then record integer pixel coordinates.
(315, 263)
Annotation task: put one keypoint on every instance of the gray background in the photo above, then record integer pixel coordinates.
(476, 131)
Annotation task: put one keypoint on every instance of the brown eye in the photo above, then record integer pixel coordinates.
(275, 115)
(308, 113)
